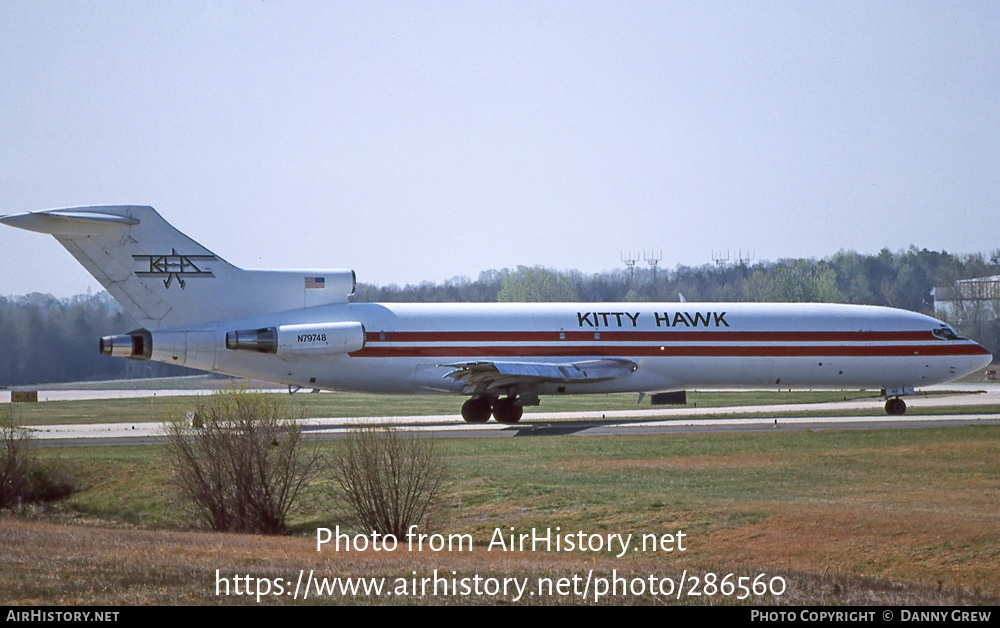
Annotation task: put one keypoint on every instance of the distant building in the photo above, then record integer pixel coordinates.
(969, 300)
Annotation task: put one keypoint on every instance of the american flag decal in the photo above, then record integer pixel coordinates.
(315, 282)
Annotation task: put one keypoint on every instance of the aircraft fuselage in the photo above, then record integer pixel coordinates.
(674, 345)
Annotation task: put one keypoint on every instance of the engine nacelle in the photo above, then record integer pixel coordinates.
(308, 339)
(190, 347)
(136, 345)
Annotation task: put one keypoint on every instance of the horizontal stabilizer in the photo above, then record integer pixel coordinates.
(65, 222)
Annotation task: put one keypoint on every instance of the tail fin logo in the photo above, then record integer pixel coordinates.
(174, 266)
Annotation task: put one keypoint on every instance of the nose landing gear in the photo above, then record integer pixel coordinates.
(895, 406)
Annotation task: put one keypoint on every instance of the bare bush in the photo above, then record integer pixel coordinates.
(386, 481)
(15, 466)
(23, 479)
(243, 468)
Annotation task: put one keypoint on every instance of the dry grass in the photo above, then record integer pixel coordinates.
(44, 563)
(872, 542)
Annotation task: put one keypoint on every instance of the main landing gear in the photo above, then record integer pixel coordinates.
(895, 406)
(505, 410)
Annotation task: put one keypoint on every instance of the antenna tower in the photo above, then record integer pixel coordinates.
(745, 261)
(630, 264)
(720, 261)
(653, 259)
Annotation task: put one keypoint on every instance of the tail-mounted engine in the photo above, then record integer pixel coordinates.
(186, 347)
(137, 345)
(199, 348)
(313, 339)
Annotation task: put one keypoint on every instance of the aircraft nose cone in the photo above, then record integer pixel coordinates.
(987, 359)
(980, 358)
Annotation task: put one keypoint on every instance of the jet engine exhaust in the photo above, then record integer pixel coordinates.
(136, 345)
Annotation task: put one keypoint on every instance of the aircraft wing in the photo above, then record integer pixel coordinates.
(485, 376)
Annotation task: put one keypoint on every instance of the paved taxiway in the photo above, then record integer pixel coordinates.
(641, 420)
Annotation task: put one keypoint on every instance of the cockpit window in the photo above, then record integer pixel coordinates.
(946, 333)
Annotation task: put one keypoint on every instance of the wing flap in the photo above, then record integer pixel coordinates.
(497, 375)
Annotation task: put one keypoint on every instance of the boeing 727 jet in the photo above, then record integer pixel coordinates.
(299, 328)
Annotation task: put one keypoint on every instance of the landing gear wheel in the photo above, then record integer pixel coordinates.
(895, 406)
(476, 410)
(504, 411)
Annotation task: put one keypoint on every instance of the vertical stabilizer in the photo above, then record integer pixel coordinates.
(164, 278)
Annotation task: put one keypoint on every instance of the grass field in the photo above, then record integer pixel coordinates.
(853, 517)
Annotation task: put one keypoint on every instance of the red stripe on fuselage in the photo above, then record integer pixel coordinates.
(650, 336)
(944, 349)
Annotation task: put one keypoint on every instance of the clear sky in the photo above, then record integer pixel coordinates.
(418, 141)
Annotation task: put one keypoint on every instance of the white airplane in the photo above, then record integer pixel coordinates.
(299, 328)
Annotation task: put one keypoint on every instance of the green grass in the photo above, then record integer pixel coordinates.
(564, 476)
(123, 485)
(151, 409)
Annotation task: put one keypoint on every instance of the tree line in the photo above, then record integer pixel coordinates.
(44, 339)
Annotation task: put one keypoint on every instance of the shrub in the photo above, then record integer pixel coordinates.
(23, 479)
(243, 468)
(386, 481)
(16, 462)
